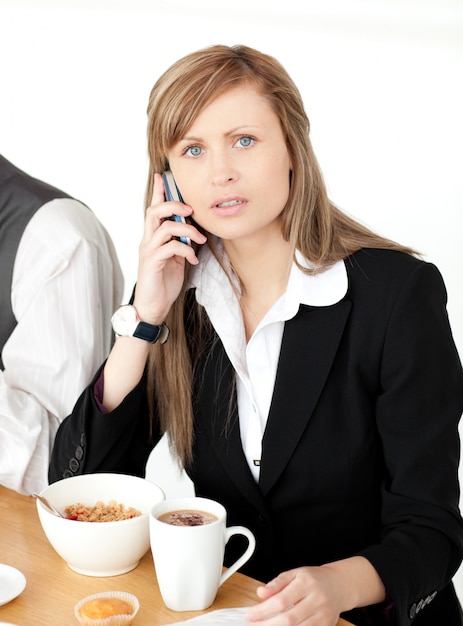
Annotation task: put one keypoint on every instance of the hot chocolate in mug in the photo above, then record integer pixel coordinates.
(188, 551)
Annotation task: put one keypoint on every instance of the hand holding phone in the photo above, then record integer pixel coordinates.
(173, 194)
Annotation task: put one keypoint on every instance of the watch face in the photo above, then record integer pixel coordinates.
(125, 321)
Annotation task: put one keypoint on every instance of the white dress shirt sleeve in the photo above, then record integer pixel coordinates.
(66, 284)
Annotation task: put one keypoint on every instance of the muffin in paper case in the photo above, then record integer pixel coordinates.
(110, 608)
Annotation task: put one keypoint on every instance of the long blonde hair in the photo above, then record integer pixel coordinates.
(310, 222)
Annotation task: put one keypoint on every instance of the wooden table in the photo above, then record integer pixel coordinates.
(53, 589)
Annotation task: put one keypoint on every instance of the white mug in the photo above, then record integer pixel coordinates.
(189, 559)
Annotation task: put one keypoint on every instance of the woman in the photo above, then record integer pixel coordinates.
(310, 382)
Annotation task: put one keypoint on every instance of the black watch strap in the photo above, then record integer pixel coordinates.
(152, 333)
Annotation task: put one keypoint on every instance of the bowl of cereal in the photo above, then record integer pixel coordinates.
(105, 528)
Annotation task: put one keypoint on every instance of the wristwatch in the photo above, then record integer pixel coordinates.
(126, 323)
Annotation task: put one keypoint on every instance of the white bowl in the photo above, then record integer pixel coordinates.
(100, 548)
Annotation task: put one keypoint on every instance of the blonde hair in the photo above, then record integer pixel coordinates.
(310, 222)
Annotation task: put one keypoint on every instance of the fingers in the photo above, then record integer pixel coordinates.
(162, 257)
(276, 585)
(278, 598)
(160, 229)
(299, 596)
(159, 210)
(158, 195)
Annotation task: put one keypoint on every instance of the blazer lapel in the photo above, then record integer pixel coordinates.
(309, 345)
(218, 420)
(229, 450)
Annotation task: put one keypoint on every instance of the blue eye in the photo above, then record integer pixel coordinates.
(245, 142)
(193, 151)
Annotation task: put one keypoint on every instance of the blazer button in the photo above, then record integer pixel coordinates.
(79, 453)
(413, 612)
(261, 521)
(74, 465)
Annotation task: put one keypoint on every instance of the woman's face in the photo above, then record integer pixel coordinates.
(233, 167)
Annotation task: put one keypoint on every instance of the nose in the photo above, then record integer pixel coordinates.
(222, 171)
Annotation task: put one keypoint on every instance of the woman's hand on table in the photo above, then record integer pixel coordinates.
(306, 595)
(316, 596)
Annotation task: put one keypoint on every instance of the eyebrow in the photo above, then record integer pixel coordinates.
(232, 131)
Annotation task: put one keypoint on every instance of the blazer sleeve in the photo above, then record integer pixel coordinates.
(418, 412)
(90, 440)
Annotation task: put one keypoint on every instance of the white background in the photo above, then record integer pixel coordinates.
(382, 81)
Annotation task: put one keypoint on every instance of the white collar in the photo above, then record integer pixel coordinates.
(322, 289)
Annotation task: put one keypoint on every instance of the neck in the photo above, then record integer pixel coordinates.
(263, 271)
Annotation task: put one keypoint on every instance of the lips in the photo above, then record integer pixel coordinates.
(228, 205)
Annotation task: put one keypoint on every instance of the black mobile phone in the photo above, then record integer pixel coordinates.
(173, 194)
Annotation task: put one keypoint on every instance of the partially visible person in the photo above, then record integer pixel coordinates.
(60, 281)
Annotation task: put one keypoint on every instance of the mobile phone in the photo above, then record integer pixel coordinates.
(173, 194)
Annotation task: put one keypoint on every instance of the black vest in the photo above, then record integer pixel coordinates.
(20, 197)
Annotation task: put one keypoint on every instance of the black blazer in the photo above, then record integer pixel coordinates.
(361, 449)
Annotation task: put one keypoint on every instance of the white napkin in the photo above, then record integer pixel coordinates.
(233, 617)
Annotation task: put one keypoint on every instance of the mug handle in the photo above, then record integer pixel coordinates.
(238, 530)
